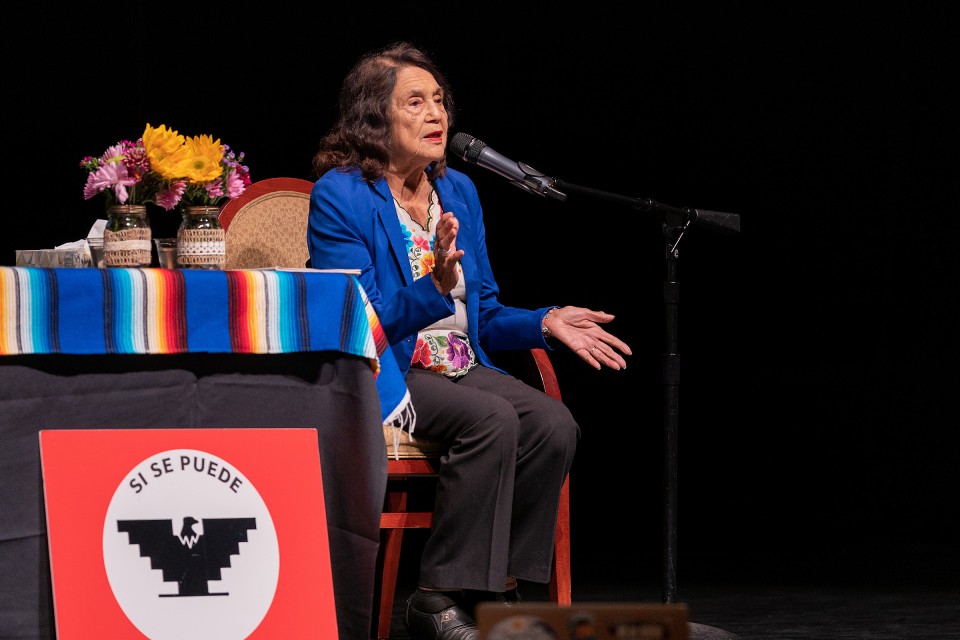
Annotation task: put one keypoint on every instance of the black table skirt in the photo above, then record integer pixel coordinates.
(329, 391)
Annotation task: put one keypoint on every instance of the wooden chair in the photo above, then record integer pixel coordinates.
(420, 459)
(266, 226)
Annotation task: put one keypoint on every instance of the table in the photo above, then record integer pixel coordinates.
(157, 348)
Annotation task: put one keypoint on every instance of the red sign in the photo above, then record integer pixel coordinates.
(175, 533)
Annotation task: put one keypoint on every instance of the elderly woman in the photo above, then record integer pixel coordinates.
(386, 203)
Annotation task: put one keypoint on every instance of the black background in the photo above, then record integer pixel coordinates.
(818, 346)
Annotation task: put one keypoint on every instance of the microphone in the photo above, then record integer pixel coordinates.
(519, 174)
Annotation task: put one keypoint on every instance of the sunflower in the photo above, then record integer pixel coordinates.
(163, 147)
(202, 159)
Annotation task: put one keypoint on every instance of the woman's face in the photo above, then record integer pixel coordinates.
(418, 120)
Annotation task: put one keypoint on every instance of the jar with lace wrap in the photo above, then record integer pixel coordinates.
(127, 237)
(201, 242)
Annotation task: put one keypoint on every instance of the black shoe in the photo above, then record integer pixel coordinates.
(434, 615)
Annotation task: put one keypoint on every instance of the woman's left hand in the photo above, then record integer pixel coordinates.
(580, 330)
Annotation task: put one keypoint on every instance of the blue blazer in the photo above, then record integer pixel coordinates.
(354, 225)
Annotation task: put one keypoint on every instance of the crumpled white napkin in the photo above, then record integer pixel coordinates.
(83, 246)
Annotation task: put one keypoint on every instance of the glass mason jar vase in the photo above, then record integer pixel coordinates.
(126, 237)
(201, 243)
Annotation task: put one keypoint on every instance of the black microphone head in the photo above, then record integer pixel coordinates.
(466, 146)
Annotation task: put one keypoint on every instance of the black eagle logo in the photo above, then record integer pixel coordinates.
(189, 559)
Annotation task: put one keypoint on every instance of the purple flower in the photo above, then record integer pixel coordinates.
(458, 352)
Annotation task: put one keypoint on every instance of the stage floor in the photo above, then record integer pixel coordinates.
(914, 597)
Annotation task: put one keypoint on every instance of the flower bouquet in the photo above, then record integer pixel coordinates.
(169, 170)
(165, 168)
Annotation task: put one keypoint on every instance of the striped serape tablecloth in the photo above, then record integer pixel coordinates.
(163, 311)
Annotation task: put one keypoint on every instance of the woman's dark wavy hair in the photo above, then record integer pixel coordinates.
(361, 136)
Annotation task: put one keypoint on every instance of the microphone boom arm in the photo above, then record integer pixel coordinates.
(673, 216)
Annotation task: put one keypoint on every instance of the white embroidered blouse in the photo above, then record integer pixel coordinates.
(443, 346)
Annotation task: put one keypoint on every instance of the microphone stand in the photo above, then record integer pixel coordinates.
(675, 222)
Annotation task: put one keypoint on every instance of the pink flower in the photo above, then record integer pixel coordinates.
(109, 176)
(214, 189)
(170, 197)
(235, 183)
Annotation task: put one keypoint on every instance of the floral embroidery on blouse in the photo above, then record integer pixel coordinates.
(420, 251)
(443, 350)
(459, 351)
(449, 353)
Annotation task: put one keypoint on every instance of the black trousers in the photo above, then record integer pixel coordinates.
(510, 449)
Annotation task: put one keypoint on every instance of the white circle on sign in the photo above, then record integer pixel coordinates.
(190, 549)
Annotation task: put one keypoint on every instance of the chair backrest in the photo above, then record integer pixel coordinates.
(266, 225)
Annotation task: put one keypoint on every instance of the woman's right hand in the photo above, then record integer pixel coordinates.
(445, 273)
